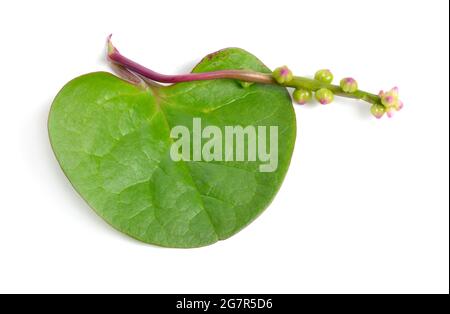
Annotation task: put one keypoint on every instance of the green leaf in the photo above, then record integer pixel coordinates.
(112, 140)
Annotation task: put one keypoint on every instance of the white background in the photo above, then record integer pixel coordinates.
(364, 207)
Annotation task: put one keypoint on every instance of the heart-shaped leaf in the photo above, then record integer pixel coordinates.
(113, 141)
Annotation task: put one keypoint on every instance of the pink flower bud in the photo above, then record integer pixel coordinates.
(377, 110)
(399, 105)
(282, 75)
(324, 96)
(348, 85)
(390, 112)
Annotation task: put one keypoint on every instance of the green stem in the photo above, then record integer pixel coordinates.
(314, 85)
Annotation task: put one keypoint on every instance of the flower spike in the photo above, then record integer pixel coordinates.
(383, 103)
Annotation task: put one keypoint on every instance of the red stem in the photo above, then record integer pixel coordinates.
(116, 57)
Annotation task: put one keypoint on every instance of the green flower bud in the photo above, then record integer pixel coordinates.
(324, 96)
(349, 85)
(282, 75)
(324, 76)
(301, 96)
(245, 84)
(378, 110)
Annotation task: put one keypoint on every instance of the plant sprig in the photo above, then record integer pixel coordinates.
(321, 85)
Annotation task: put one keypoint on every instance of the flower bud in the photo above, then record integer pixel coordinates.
(349, 85)
(282, 75)
(390, 101)
(301, 96)
(245, 84)
(324, 76)
(390, 98)
(390, 112)
(324, 96)
(399, 105)
(378, 110)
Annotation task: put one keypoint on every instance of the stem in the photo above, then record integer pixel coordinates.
(314, 85)
(248, 76)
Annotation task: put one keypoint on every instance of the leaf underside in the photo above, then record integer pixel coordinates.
(112, 140)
